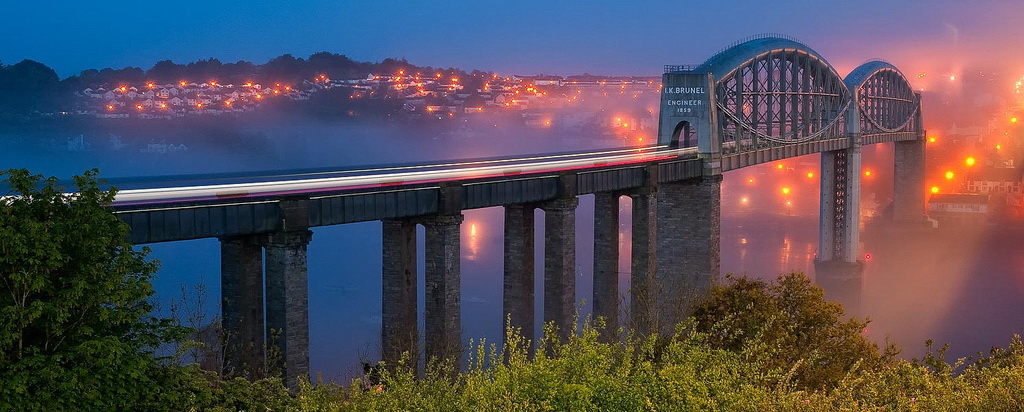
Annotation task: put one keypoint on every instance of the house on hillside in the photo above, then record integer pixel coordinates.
(959, 209)
(996, 180)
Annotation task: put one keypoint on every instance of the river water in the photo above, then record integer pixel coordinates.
(966, 288)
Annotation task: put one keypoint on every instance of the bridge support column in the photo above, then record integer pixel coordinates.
(288, 302)
(518, 297)
(443, 309)
(399, 327)
(241, 264)
(688, 241)
(837, 268)
(606, 261)
(643, 266)
(560, 264)
(908, 188)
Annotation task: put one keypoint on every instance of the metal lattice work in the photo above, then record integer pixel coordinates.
(839, 218)
(886, 101)
(769, 92)
(774, 91)
(780, 97)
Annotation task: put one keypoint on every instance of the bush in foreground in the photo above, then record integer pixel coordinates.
(76, 329)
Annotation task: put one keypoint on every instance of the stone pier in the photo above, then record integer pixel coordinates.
(643, 265)
(443, 320)
(908, 187)
(606, 261)
(399, 328)
(242, 306)
(688, 239)
(287, 303)
(518, 296)
(560, 264)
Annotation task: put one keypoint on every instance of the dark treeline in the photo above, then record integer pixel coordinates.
(31, 87)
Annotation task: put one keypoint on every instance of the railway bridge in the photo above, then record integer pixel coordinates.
(762, 99)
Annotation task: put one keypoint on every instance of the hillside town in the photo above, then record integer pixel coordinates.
(421, 96)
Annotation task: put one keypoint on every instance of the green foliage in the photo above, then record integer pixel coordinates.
(76, 330)
(582, 374)
(788, 324)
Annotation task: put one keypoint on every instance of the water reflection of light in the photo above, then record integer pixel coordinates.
(625, 254)
(474, 242)
(785, 254)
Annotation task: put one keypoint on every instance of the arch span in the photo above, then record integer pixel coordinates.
(886, 101)
(767, 98)
(774, 91)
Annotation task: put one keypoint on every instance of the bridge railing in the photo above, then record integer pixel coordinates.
(680, 68)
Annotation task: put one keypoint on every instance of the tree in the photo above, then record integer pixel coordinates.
(787, 325)
(76, 329)
(29, 86)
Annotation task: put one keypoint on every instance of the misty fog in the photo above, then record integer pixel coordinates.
(959, 287)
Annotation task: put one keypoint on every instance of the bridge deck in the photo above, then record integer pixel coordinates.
(182, 220)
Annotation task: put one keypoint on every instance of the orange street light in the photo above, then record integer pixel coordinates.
(785, 190)
(935, 189)
(970, 161)
(949, 175)
(810, 175)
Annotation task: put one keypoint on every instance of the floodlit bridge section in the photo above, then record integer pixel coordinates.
(763, 99)
(768, 98)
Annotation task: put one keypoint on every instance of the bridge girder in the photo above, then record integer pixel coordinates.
(770, 91)
(886, 102)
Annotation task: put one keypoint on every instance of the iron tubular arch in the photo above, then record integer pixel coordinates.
(774, 91)
(887, 101)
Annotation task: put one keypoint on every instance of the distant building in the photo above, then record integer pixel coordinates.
(959, 209)
(996, 180)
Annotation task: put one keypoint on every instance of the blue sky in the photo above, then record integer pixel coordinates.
(531, 36)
